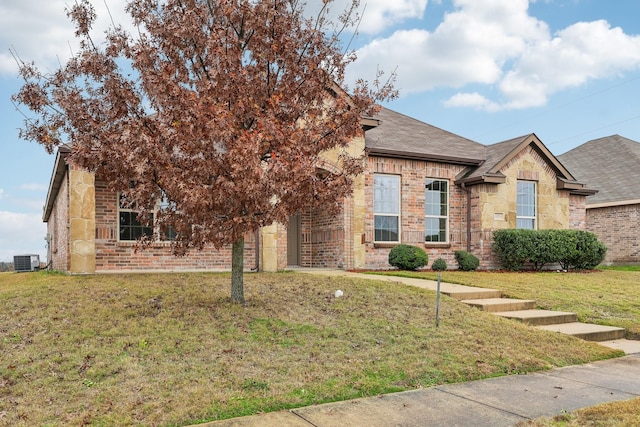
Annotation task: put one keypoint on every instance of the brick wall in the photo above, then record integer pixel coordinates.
(323, 238)
(617, 227)
(112, 254)
(413, 175)
(58, 229)
(577, 212)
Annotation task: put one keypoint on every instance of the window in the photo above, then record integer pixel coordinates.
(167, 232)
(436, 210)
(526, 205)
(386, 208)
(129, 227)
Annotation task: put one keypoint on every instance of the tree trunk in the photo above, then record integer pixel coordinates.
(237, 271)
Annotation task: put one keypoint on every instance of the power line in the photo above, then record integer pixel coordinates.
(593, 130)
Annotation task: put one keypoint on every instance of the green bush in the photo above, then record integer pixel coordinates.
(407, 257)
(439, 265)
(572, 249)
(467, 261)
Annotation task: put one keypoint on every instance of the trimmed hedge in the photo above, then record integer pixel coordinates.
(407, 257)
(466, 261)
(572, 249)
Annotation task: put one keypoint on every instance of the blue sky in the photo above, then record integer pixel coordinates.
(488, 70)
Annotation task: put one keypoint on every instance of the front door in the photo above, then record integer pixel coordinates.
(294, 240)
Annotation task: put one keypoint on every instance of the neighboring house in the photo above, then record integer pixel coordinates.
(611, 164)
(421, 186)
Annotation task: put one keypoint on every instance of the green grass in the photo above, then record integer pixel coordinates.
(607, 297)
(621, 267)
(170, 349)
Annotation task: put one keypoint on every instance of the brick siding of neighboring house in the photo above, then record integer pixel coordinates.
(112, 254)
(617, 227)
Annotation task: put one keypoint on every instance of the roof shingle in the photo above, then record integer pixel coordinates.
(610, 164)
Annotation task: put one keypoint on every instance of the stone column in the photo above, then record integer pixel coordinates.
(82, 221)
(269, 249)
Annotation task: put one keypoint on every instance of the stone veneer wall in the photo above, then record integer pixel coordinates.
(82, 224)
(112, 254)
(497, 203)
(58, 229)
(617, 227)
(414, 174)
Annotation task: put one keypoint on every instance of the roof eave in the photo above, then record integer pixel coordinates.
(492, 178)
(57, 176)
(372, 151)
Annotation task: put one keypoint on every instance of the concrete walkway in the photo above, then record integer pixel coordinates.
(495, 402)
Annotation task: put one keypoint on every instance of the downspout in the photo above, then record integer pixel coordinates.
(464, 187)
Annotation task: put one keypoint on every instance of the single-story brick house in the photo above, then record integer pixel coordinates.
(612, 164)
(422, 185)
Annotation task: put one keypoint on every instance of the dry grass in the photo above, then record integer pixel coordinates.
(171, 349)
(609, 297)
(625, 413)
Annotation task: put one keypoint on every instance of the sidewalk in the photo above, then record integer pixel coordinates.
(494, 402)
(502, 401)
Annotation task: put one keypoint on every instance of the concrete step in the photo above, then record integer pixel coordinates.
(493, 305)
(540, 317)
(587, 331)
(461, 293)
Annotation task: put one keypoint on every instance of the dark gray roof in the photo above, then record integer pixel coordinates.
(495, 153)
(401, 136)
(610, 164)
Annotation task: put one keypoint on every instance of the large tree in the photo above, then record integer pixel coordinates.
(221, 108)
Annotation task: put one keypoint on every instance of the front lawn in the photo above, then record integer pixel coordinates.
(608, 297)
(170, 349)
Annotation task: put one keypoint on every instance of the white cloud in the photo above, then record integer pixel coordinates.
(581, 52)
(471, 45)
(378, 15)
(40, 31)
(21, 233)
(473, 100)
(497, 43)
(1, 193)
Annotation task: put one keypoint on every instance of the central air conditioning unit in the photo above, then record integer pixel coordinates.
(22, 263)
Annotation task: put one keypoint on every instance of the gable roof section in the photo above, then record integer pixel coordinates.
(498, 155)
(611, 164)
(404, 137)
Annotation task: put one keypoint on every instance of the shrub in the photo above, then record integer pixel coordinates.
(570, 248)
(514, 247)
(589, 251)
(407, 257)
(439, 265)
(467, 261)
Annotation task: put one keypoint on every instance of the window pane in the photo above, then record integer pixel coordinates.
(526, 205)
(436, 210)
(130, 227)
(525, 223)
(386, 228)
(435, 230)
(386, 194)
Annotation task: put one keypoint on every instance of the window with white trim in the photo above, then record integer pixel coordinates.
(526, 205)
(386, 208)
(436, 211)
(129, 227)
